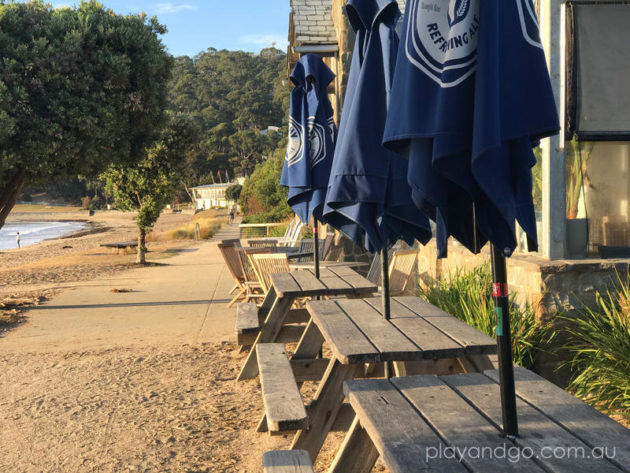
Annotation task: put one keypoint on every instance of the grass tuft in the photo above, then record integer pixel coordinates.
(209, 221)
(600, 346)
(468, 296)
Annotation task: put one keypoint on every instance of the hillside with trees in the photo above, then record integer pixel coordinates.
(234, 97)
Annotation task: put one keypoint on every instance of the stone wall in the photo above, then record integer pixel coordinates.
(552, 287)
(345, 41)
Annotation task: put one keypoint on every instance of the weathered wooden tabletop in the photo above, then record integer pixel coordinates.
(327, 264)
(452, 424)
(287, 287)
(357, 332)
(333, 281)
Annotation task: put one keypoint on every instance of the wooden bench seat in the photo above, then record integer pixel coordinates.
(284, 408)
(247, 323)
(287, 461)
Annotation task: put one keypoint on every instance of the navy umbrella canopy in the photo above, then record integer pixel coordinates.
(369, 199)
(471, 96)
(312, 134)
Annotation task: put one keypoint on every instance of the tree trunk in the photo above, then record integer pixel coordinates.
(10, 194)
(142, 249)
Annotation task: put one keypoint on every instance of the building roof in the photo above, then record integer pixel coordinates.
(312, 22)
(214, 186)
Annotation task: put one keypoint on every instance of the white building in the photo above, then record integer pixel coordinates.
(211, 196)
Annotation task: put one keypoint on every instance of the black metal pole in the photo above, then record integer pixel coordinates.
(316, 247)
(385, 282)
(504, 342)
(385, 296)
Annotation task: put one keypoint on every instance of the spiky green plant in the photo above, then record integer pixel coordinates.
(468, 296)
(600, 346)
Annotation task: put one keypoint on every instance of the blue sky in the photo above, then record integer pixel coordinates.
(195, 25)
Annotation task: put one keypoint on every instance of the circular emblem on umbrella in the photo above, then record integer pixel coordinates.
(529, 22)
(295, 147)
(316, 141)
(442, 39)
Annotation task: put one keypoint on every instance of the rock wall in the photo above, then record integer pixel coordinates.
(552, 287)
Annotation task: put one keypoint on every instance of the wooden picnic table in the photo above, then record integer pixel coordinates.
(287, 287)
(328, 264)
(120, 245)
(278, 249)
(451, 424)
(357, 333)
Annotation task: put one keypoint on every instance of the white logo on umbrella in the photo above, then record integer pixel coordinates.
(442, 39)
(317, 141)
(296, 142)
(529, 22)
(332, 128)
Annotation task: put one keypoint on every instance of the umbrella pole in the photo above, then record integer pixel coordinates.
(385, 283)
(385, 296)
(504, 342)
(316, 247)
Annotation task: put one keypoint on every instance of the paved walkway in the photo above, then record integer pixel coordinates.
(107, 382)
(182, 301)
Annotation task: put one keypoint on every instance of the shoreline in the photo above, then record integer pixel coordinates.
(77, 257)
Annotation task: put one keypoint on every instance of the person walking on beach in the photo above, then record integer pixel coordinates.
(17, 239)
(231, 216)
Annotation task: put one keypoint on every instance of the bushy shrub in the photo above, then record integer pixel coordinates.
(262, 198)
(468, 296)
(600, 345)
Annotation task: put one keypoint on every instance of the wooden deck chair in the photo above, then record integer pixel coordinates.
(293, 238)
(252, 286)
(272, 244)
(328, 244)
(290, 228)
(335, 250)
(307, 246)
(233, 262)
(266, 265)
(400, 270)
(232, 241)
(374, 273)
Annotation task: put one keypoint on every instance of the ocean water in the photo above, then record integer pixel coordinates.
(34, 232)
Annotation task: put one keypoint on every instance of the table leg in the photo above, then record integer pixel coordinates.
(477, 363)
(268, 333)
(267, 303)
(324, 408)
(310, 344)
(357, 453)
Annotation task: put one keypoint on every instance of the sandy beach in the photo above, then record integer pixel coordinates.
(44, 268)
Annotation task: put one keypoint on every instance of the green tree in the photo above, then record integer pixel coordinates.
(233, 192)
(151, 184)
(81, 88)
(233, 96)
(263, 199)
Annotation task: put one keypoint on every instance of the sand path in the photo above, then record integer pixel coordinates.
(97, 381)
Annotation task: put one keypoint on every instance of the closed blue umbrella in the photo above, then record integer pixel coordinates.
(368, 198)
(471, 97)
(312, 134)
